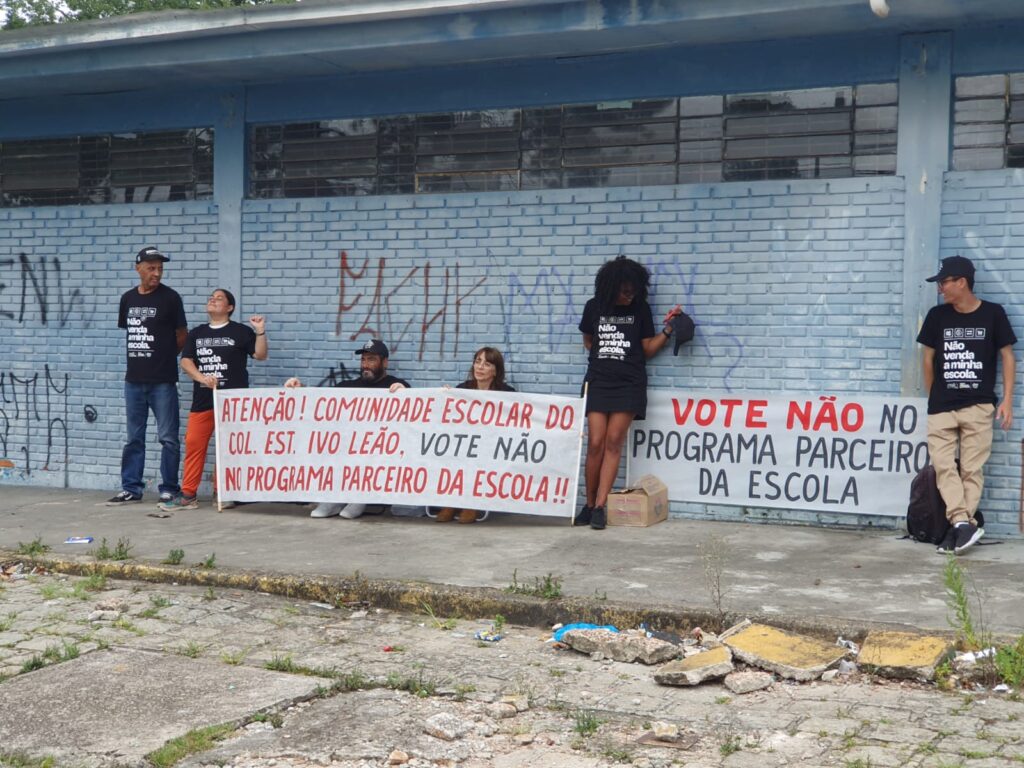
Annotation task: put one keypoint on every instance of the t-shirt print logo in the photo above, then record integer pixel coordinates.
(143, 312)
(973, 334)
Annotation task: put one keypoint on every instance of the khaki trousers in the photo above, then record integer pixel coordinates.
(971, 427)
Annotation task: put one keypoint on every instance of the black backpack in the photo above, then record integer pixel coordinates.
(926, 512)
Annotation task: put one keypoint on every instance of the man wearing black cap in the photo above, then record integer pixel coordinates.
(963, 338)
(216, 356)
(154, 317)
(373, 374)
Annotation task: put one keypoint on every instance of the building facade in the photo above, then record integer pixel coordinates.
(449, 175)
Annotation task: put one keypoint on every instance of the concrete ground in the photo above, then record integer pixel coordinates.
(813, 579)
(103, 672)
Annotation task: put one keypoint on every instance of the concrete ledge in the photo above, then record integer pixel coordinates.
(444, 600)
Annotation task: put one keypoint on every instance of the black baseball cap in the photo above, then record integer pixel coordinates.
(953, 266)
(149, 253)
(373, 347)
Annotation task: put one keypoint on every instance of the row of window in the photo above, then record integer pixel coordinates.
(113, 168)
(800, 134)
(819, 133)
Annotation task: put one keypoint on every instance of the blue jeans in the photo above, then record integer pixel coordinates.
(162, 399)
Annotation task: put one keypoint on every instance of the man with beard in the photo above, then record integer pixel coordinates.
(373, 374)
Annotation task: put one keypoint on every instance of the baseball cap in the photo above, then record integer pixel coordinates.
(373, 347)
(149, 253)
(953, 266)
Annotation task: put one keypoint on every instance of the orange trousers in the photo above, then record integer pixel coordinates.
(197, 443)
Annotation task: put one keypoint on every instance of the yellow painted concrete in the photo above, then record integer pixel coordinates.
(903, 649)
(706, 659)
(785, 648)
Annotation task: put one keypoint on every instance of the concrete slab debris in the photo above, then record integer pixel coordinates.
(748, 681)
(694, 670)
(905, 655)
(114, 707)
(787, 654)
(621, 646)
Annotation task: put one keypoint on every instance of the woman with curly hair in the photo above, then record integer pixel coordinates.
(618, 332)
(487, 372)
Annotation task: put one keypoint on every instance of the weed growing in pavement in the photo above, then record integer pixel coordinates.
(352, 681)
(463, 689)
(442, 624)
(959, 603)
(35, 662)
(1010, 663)
(281, 664)
(499, 623)
(21, 760)
(209, 562)
(198, 740)
(860, 762)
(121, 551)
(585, 722)
(714, 553)
(6, 622)
(556, 672)
(95, 582)
(274, 718)
(159, 601)
(34, 548)
(127, 626)
(942, 675)
(149, 613)
(418, 686)
(617, 753)
(51, 591)
(234, 658)
(63, 652)
(729, 745)
(723, 699)
(174, 557)
(209, 595)
(549, 587)
(191, 649)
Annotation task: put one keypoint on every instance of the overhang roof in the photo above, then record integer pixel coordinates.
(322, 38)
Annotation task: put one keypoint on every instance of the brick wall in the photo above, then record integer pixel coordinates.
(794, 286)
(983, 219)
(62, 271)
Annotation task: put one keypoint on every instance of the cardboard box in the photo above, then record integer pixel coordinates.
(644, 504)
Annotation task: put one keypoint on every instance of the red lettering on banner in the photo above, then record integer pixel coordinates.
(487, 413)
(706, 411)
(849, 419)
(488, 484)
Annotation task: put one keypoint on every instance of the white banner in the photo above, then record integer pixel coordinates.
(499, 451)
(816, 452)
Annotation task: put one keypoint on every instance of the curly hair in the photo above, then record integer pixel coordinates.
(613, 275)
(492, 356)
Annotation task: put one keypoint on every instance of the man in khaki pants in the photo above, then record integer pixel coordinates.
(963, 337)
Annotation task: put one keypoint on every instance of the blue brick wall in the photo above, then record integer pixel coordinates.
(982, 216)
(62, 272)
(795, 286)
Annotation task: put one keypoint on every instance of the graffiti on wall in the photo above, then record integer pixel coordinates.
(33, 423)
(420, 306)
(36, 293)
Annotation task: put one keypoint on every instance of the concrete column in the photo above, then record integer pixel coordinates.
(229, 191)
(922, 160)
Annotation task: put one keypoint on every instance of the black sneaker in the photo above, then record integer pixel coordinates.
(598, 518)
(583, 518)
(967, 536)
(124, 497)
(946, 547)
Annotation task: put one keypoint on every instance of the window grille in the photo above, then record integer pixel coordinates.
(111, 168)
(815, 133)
(988, 122)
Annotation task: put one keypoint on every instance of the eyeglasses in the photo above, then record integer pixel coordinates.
(944, 281)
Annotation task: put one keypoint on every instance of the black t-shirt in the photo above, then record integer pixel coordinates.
(616, 351)
(498, 388)
(384, 383)
(151, 320)
(966, 348)
(223, 352)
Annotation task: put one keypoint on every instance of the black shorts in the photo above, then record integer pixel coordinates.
(617, 397)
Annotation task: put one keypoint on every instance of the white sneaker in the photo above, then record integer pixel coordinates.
(350, 511)
(325, 509)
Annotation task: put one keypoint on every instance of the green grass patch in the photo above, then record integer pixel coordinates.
(34, 548)
(549, 586)
(122, 550)
(585, 722)
(199, 740)
(175, 557)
